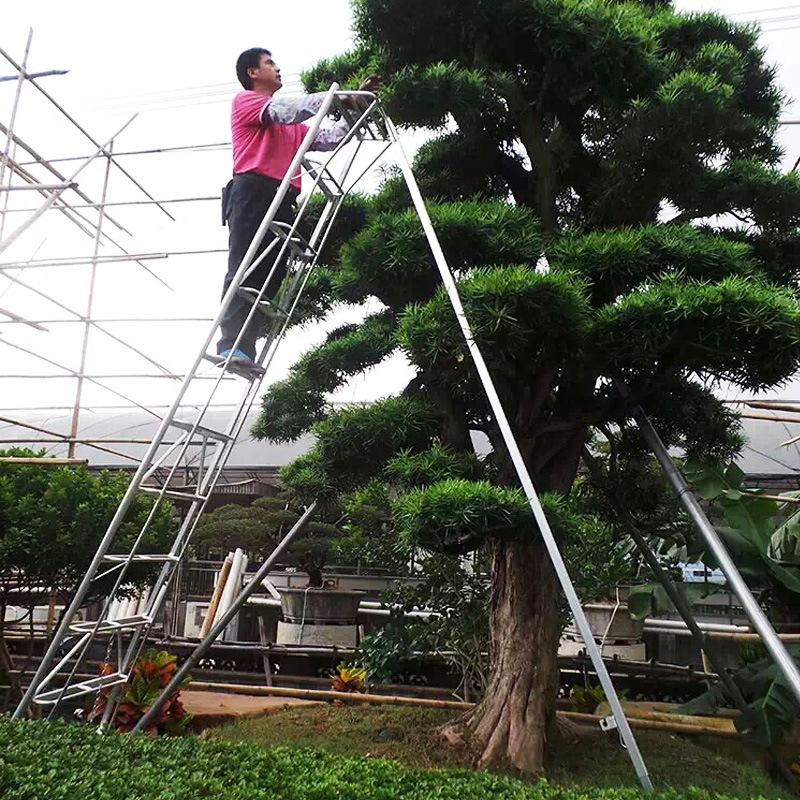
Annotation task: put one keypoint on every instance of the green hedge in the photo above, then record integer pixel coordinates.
(55, 761)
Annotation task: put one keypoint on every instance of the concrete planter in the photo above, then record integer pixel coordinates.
(622, 624)
(320, 606)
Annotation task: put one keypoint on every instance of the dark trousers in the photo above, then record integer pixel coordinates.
(244, 203)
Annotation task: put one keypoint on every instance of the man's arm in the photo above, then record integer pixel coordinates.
(291, 110)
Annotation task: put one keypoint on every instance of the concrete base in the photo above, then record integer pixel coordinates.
(324, 635)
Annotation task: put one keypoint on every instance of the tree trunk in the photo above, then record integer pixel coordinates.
(516, 719)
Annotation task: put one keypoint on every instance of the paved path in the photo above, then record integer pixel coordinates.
(219, 708)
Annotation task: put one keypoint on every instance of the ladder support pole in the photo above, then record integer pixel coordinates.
(675, 594)
(755, 614)
(216, 630)
(521, 469)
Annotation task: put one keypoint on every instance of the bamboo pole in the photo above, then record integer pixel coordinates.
(453, 705)
(45, 462)
(215, 598)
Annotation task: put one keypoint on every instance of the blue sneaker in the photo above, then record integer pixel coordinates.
(239, 358)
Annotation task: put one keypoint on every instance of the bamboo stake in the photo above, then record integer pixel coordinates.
(215, 598)
(45, 462)
(452, 705)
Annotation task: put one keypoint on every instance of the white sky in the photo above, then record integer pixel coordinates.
(173, 63)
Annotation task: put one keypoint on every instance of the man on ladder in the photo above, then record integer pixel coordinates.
(266, 133)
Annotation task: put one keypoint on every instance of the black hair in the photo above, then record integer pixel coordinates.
(250, 59)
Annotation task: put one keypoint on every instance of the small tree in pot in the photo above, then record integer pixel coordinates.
(259, 527)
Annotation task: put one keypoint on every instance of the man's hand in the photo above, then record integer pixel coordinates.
(371, 84)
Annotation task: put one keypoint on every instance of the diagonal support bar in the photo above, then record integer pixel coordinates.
(521, 469)
(755, 614)
(219, 626)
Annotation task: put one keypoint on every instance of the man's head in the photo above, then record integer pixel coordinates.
(256, 70)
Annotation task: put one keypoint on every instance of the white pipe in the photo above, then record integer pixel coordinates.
(675, 624)
(230, 584)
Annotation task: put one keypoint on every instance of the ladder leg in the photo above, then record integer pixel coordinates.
(522, 471)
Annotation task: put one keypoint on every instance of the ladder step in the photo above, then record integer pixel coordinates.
(140, 558)
(172, 494)
(327, 183)
(201, 430)
(112, 625)
(297, 243)
(264, 306)
(78, 689)
(249, 373)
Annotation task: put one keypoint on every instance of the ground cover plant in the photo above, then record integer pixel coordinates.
(54, 761)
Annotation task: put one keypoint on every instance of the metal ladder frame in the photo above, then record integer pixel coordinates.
(382, 130)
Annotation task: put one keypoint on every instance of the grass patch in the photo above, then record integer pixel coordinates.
(410, 735)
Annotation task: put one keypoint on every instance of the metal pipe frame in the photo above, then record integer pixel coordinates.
(755, 614)
(77, 125)
(53, 196)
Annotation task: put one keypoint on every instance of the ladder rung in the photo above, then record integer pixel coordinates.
(201, 430)
(314, 168)
(112, 625)
(146, 558)
(297, 243)
(264, 306)
(250, 373)
(172, 494)
(78, 689)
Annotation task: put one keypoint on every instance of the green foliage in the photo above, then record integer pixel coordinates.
(49, 760)
(772, 710)
(454, 516)
(410, 469)
(755, 532)
(293, 405)
(522, 319)
(618, 261)
(369, 541)
(457, 593)
(390, 258)
(738, 330)
(258, 528)
(52, 520)
(358, 440)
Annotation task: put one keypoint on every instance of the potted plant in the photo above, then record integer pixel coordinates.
(257, 529)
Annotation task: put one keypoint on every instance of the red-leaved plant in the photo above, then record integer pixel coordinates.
(151, 673)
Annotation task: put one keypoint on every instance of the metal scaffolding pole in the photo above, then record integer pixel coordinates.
(87, 328)
(66, 114)
(53, 196)
(757, 617)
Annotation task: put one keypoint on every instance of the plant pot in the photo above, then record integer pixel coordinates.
(320, 606)
(612, 621)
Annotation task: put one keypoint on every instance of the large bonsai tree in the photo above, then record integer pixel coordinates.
(605, 182)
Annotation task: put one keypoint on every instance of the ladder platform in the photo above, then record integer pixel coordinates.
(172, 494)
(78, 689)
(140, 558)
(112, 625)
(249, 373)
(201, 430)
(264, 306)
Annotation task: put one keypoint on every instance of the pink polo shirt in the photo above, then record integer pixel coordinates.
(265, 149)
